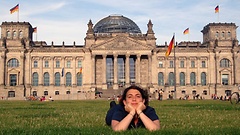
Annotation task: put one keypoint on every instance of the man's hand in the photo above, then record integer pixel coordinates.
(129, 108)
(140, 107)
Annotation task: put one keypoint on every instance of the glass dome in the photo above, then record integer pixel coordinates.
(116, 24)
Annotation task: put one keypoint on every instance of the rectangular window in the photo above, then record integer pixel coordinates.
(160, 64)
(46, 64)
(79, 63)
(68, 64)
(11, 94)
(45, 93)
(35, 64)
(225, 79)
(203, 64)
(13, 79)
(192, 64)
(171, 65)
(56, 92)
(181, 64)
(57, 64)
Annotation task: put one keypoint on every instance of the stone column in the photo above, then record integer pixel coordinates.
(74, 82)
(63, 66)
(2, 69)
(93, 69)
(22, 73)
(127, 70)
(149, 69)
(104, 62)
(138, 69)
(115, 83)
(40, 75)
(52, 75)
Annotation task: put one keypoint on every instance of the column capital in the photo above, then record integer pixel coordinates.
(104, 55)
(115, 55)
(139, 55)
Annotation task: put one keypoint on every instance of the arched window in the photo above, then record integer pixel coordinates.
(13, 62)
(203, 78)
(224, 63)
(216, 35)
(192, 79)
(14, 34)
(182, 79)
(57, 79)
(229, 34)
(171, 79)
(79, 79)
(223, 34)
(20, 34)
(68, 92)
(204, 92)
(56, 92)
(68, 79)
(160, 79)
(34, 93)
(35, 79)
(45, 93)
(46, 79)
(8, 34)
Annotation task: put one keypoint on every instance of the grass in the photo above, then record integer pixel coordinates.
(88, 117)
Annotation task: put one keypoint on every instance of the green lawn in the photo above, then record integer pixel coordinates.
(88, 117)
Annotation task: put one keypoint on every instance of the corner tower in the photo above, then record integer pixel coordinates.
(220, 34)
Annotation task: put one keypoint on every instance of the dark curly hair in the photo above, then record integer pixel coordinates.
(143, 92)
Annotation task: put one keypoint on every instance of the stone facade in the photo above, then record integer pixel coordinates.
(109, 61)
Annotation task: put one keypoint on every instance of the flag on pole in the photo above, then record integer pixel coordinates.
(80, 71)
(170, 47)
(217, 9)
(62, 72)
(186, 31)
(35, 29)
(14, 9)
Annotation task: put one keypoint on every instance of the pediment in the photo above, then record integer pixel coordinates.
(13, 71)
(121, 43)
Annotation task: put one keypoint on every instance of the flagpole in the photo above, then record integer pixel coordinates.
(18, 13)
(175, 88)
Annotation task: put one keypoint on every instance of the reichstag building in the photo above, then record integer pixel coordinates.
(115, 55)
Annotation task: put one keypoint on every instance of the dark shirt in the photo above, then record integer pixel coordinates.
(118, 113)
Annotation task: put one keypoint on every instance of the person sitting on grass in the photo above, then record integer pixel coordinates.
(132, 111)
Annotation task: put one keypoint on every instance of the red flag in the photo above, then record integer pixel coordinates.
(170, 47)
(14, 9)
(217, 9)
(186, 31)
(35, 29)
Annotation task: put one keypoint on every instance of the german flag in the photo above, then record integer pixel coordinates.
(35, 29)
(217, 9)
(80, 71)
(14, 9)
(186, 31)
(170, 47)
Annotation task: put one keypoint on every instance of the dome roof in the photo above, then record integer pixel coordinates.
(116, 24)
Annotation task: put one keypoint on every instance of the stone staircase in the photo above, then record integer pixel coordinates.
(110, 93)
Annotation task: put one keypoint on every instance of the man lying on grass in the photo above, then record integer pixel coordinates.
(132, 111)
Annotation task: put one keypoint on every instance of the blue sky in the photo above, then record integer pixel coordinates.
(66, 20)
